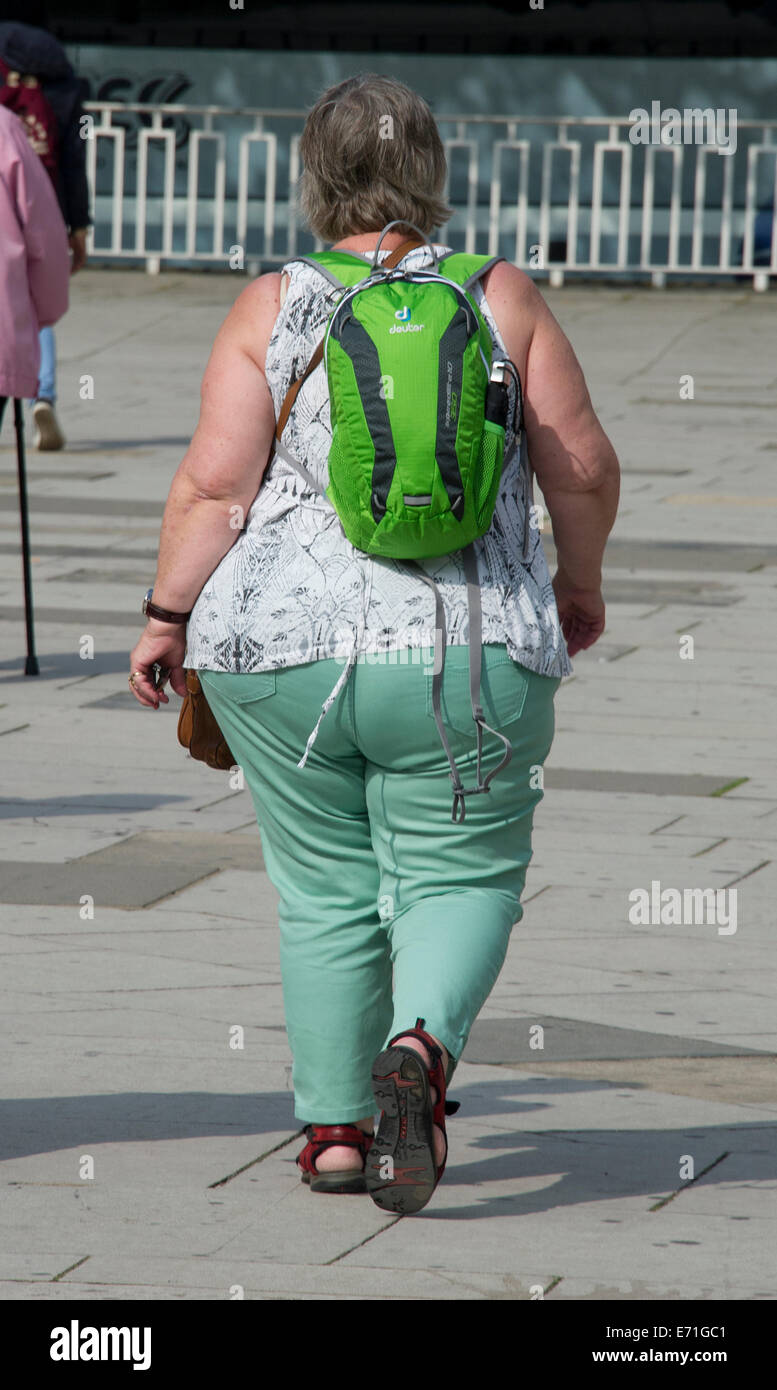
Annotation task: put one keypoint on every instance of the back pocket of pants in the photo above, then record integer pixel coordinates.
(503, 689)
(239, 688)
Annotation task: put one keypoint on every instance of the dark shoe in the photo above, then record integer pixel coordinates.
(400, 1170)
(321, 1137)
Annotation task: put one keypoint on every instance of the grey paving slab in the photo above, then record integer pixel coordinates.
(562, 910)
(41, 1291)
(497, 1040)
(200, 1000)
(640, 1291)
(182, 1158)
(700, 863)
(716, 1014)
(650, 783)
(600, 1169)
(679, 1252)
(118, 700)
(679, 592)
(85, 505)
(690, 554)
(132, 873)
(579, 813)
(109, 884)
(534, 977)
(613, 954)
(743, 1080)
(69, 835)
(235, 893)
(222, 1279)
(52, 921)
(104, 576)
(61, 552)
(132, 1043)
(237, 949)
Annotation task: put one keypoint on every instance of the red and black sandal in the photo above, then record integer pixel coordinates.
(400, 1170)
(321, 1137)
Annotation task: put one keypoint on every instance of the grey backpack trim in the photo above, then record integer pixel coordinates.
(473, 279)
(327, 274)
(284, 453)
(527, 481)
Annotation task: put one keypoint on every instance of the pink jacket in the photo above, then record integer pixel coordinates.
(34, 258)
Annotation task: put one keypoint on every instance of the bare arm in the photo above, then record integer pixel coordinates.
(573, 459)
(218, 477)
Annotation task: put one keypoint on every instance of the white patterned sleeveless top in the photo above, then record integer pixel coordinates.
(292, 589)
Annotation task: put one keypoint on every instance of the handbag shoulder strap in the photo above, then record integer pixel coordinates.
(291, 394)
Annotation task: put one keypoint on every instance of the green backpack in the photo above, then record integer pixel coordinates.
(418, 414)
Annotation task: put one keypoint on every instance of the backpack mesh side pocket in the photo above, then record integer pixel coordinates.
(488, 471)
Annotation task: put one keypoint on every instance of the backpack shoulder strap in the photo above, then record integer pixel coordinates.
(465, 269)
(319, 263)
(352, 270)
(322, 262)
(343, 269)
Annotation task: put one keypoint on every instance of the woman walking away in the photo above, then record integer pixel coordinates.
(38, 84)
(34, 260)
(365, 649)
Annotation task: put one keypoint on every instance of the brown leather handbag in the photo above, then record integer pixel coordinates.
(198, 730)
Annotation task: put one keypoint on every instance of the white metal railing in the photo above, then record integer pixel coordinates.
(541, 190)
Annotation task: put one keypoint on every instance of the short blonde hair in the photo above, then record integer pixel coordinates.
(372, 154)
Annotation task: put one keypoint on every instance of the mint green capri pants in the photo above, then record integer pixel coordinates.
(373, 876)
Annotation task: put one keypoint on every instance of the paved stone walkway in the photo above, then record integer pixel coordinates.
(570, 1168)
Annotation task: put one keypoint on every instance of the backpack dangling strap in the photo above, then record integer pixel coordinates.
(528, 495)
(286, 454)
(475, 609)
(475, 666)
(440, 644)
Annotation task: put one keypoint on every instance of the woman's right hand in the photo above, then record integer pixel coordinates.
(580, 611)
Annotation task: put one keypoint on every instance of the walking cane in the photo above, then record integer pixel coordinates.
(31, 667)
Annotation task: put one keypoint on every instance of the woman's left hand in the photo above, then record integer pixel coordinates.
(162, 644)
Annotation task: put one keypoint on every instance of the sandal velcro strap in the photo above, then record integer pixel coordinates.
(321, 1137)
(419, 1033)
(336, 1134)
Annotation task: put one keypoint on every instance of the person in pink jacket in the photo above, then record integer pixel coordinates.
(34, 260)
